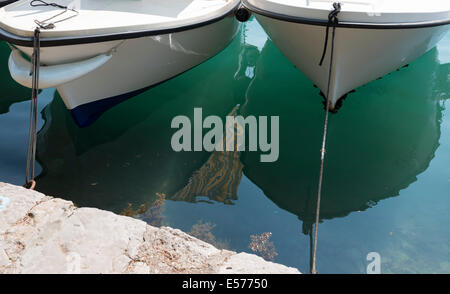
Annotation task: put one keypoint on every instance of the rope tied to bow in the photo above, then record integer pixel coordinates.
(332, 21)
(45, 24)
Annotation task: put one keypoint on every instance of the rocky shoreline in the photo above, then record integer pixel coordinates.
(42, 234)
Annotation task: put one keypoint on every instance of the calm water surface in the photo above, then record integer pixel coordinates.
(387, 176)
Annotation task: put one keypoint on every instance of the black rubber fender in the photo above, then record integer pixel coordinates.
(242, 14)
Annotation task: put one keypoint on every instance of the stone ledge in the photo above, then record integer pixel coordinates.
(42, 234)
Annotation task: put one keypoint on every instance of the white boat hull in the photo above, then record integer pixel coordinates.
(135, 65)
(361, 55)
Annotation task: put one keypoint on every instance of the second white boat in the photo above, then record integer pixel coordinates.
(372, 37)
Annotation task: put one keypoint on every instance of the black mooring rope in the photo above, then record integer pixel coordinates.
(332, 21)
(332, 17)
(43, 23)
(32, 131)
(43, 3)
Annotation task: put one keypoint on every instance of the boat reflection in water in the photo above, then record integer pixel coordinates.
(378, 142)
(126, 155)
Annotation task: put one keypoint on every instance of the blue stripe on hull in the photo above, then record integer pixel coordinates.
(86, 114)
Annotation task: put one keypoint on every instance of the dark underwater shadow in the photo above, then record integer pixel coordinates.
(11, 92)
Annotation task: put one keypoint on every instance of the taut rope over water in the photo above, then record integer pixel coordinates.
(333, 20)
(32, 131)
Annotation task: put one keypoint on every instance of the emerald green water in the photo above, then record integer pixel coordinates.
(386, 183)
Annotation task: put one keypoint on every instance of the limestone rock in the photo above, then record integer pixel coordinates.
(41, 234)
